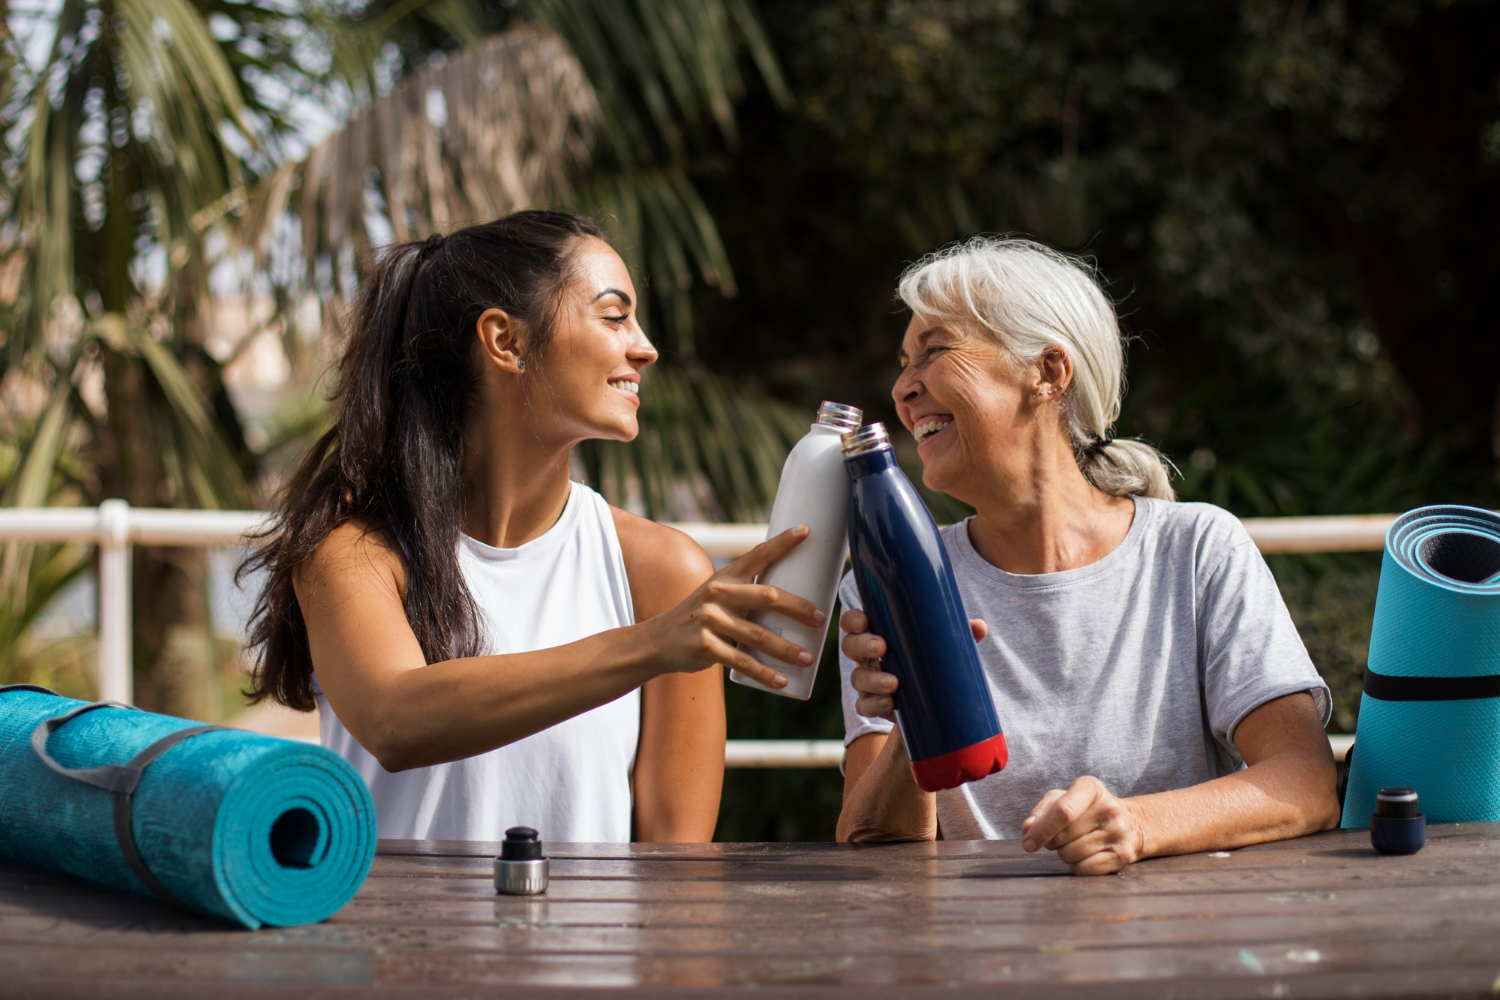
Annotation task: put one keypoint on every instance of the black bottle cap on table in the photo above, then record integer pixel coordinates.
(520, 870)
(521, 844)
(1397, 803)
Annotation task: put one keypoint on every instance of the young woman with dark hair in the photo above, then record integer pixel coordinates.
(486, 641)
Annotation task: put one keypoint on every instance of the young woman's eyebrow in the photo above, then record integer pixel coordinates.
(614, 291)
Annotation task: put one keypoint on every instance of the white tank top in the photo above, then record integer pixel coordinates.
(572, 781)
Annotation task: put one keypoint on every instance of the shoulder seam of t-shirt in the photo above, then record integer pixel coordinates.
(1224, 550)
(1225, 554)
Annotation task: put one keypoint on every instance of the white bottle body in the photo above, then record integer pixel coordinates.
(814, 490)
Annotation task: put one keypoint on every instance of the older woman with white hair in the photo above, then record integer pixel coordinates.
(1155, 695)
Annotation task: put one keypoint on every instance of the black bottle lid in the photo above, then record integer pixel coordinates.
(521, 844)
(1397, 803)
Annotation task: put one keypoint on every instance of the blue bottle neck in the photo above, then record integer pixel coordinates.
(870, 463)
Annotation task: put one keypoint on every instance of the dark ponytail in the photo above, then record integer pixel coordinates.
(393, 459)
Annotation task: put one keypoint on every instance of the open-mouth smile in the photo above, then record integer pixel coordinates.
(629, 387)
(926, 427)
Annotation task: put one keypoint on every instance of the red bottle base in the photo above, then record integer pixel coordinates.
(971, 763)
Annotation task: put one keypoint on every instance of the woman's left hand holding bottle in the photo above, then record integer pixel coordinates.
(875, 689)
(704, 628)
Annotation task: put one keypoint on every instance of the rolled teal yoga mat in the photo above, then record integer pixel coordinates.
(1430, 713)
(249, 828)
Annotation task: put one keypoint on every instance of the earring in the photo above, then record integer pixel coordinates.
(521, 364)
(1048, 392)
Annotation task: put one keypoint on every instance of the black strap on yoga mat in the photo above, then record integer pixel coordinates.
(120, 780)
(1387, 687)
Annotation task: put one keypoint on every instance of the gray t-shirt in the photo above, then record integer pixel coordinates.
(1135, 669)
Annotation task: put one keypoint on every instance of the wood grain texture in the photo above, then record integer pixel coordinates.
(1323, 916)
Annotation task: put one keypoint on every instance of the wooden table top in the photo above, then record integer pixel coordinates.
(1321, 916)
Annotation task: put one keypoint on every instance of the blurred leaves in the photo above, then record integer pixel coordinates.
(664, 231)
(671, 63)
(502, 125)
(1332, 602)
(119, 140)
(32, 575)
(665, 76)
(125, 145)
(30, 484)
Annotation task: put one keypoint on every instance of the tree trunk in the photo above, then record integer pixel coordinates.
(170, 621)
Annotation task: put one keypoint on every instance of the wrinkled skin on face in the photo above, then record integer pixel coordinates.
(970, 409)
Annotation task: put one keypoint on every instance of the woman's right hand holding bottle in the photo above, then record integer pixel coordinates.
(704, 629)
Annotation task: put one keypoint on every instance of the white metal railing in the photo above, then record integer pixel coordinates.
(114, 526)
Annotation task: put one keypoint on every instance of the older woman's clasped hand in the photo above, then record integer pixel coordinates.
(1089, 827)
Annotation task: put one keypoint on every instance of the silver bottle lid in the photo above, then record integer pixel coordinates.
(870, 437)
(521, 878)
(845, 418)
(520, 870)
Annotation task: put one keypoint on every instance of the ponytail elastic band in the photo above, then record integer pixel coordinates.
(1098, 444)
(433, 244)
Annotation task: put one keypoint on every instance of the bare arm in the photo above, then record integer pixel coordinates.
(1287, 790)
(882, 801)
(679, 765)
(409, 713)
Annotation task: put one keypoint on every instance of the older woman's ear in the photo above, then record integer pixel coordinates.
(1054, 370)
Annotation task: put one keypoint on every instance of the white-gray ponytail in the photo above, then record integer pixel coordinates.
(1030, 298)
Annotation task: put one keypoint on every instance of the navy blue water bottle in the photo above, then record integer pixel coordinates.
(906, 585)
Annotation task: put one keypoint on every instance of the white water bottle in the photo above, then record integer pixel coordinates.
(814, 490)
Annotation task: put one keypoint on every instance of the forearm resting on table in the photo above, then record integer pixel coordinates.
(445, 711)
(1287, 795)
(882, 801)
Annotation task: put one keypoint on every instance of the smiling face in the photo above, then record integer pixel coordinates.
(587, 382)
(961, 397)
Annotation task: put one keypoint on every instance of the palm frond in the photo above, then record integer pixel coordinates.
(671, 63)
(193, 445)
(31, 483)
(32, 575)
(123, 141)
(503, 125)
(665, 72)
(664, 75)
(664, 231)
